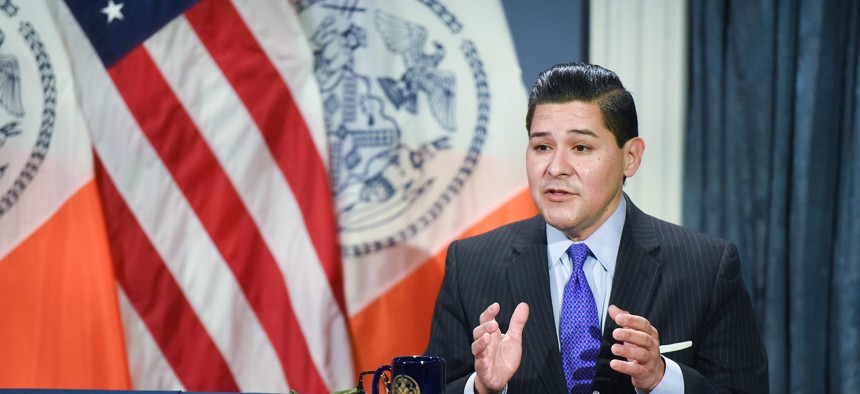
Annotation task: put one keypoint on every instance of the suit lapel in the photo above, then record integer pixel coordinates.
(637, 270)
(637, 274)
(528, 281)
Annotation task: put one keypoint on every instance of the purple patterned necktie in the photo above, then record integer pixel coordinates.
(579, 328)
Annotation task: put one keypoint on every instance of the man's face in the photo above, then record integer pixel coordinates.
(575, 167)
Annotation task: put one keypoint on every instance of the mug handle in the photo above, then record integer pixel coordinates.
(375, 382)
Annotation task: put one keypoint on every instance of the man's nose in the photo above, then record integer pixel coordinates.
(560, 164)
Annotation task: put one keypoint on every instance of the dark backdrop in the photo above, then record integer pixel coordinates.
(772, 163)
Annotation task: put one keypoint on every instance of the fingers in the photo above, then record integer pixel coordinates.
(640, 346)
(490, 313)
(481, 346)
(634, 322)
(630, 368)
(632, 352)
(488, 331)
(637, 337)
(489, 325)
(486, 336)
(643, 376)
(627, 320)
(635, 329)
(488, 322)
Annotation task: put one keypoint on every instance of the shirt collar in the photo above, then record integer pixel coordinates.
(603, 242)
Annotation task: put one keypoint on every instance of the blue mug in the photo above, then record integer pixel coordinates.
(413, 375)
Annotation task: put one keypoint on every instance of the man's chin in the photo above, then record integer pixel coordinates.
(563, 221)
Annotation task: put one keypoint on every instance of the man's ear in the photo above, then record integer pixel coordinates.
(633, 150)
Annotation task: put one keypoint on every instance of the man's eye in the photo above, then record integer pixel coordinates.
(542, 147)
(580, 148)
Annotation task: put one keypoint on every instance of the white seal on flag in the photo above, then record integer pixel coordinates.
(406, 105)
(28, 98)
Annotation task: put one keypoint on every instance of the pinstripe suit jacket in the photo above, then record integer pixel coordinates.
(686, 284)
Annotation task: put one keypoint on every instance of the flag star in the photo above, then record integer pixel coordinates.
(113, 11)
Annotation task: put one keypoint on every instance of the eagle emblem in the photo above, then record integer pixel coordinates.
(400, 148)
(422, 74)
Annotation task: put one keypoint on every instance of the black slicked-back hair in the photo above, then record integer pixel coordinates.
(588, 83)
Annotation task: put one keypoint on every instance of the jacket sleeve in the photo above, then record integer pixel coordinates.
(731, 356)
(450, 331)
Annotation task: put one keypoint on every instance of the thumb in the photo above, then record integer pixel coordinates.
(518, 321)
(615, 311)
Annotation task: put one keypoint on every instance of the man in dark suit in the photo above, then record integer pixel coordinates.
(672, 313)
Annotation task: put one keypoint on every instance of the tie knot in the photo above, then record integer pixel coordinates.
(578, 253)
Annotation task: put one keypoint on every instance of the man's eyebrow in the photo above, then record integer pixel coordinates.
(587, 132)
(583, 132)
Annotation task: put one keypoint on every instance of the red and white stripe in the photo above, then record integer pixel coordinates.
(218, 204)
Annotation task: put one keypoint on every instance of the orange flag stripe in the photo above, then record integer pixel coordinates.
(399, 320)
(60, 324)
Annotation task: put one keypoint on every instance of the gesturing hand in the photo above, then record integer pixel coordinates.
(640, 345)
(497, 355)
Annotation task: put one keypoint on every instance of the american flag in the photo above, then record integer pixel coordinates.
(211, 162)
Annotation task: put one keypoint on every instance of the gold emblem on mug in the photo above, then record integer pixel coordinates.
(404, 384)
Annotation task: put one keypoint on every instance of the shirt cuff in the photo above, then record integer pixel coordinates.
(672, 382)
(470, 385)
